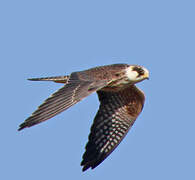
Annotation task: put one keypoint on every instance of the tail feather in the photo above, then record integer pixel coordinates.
(57, 79)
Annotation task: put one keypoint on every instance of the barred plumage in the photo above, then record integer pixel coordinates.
(113, 120)
(120, 104)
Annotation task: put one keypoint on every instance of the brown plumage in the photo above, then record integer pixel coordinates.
(120, 104)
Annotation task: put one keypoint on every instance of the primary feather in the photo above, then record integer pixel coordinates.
(120, 104)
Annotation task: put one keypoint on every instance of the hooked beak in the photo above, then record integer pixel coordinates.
(146, 74)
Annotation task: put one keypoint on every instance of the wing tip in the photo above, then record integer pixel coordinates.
(90, 164)
(19, 129)
(85, 167)
(22, 126)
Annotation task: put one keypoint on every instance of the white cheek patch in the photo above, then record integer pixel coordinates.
(131, 75)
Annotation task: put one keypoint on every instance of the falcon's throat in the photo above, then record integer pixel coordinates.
(131, 75)
(136, 74)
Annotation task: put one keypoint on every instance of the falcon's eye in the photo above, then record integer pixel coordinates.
(139, 70)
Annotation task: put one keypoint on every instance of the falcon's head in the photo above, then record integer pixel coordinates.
(137, 73)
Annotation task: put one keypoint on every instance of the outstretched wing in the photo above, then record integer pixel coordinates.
(117, 113)
(74, 90)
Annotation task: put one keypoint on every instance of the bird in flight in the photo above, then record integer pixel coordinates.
(120, 104)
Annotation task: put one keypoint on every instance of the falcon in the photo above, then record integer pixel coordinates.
(120, 104)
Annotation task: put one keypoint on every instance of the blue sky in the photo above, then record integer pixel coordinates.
(49, 38)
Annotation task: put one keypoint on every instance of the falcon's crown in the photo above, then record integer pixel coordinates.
(137, 73)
